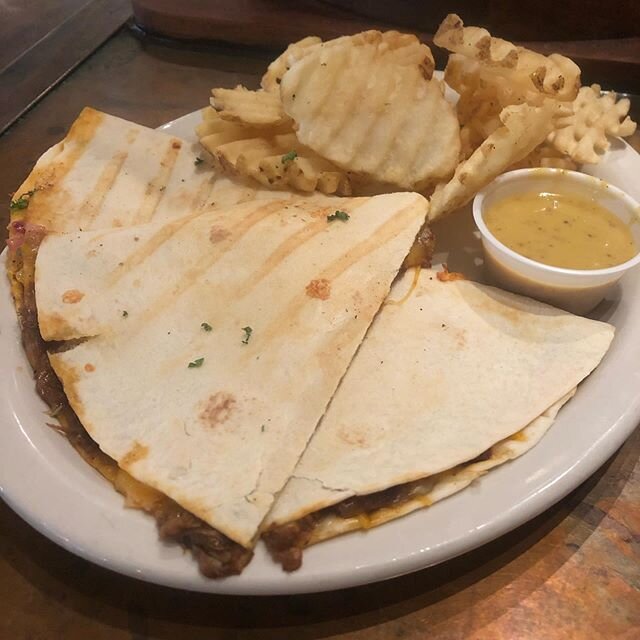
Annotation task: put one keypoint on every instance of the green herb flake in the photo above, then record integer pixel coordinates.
(125, 314)
(262, 428)
(22, 202)
(206, 326)
(247, 334)
(338, 215)
(196, 363)
(289, 157)
(198, 161)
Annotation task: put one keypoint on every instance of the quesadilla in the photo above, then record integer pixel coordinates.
(452, 379)
(108, 172)
(200, 353)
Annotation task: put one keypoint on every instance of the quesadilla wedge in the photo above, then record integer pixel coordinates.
(200, 353)
(452, 379)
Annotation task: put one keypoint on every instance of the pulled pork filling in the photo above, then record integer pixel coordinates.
(217, 555)
(286, 542)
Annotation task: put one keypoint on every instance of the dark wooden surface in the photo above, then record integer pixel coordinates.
(603, 39)
(20, 29)
(573, 572)
(45, 41)
(279, 22)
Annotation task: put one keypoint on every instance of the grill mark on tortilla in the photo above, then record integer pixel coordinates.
(283, 251)
(46, 207)
(148, 248)
(385, 232)
(153, 193)
(203, 194)
(92, 204)
(192, 276)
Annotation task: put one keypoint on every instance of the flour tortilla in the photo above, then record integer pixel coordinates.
(441, 377)
(220, 437)
(434, 488)
(108, 172)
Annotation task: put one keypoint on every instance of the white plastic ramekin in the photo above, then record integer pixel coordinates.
(576, 290)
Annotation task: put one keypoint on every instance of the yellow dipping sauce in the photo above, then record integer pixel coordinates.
(561, 230)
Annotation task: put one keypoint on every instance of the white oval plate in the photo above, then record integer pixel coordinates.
(44, 480)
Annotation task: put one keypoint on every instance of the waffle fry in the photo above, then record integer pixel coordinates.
(365, 104)
(294, 52)
(524, 127)
(275, 160)
(252, 108)
(583, 135)
(517, 74)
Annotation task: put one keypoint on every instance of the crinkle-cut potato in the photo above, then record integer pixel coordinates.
(523, 128)
(364, 104)
(486, 89)
(474, 42)
(252, 108)
(476, 82)
(271, 162)
(518, 74)
(405, 48)
(272, 156)
(583, 135)
(272, 77)
(219, 131)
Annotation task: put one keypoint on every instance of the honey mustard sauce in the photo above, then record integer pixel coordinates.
(561, 230)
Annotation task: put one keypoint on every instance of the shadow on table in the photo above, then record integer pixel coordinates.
(145, 610)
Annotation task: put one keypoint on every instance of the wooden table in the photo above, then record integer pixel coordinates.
(573, 572)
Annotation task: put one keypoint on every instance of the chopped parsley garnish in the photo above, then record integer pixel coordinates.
(338, 215)
(22, 202)
(206, 326)
(198, 161)
(125, 314)
(247, 334)
(289, 157)
(262, 428)
(196, 363)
